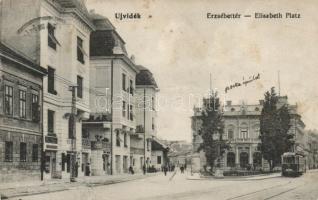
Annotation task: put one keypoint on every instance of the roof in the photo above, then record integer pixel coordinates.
(158, 145)
(17, 57)
(145, 77)
(101, 22)
(69, 5)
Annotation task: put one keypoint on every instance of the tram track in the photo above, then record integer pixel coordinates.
(269, 192)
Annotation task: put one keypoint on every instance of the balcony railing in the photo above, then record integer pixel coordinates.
(100, 145)
(140, 129)
(52, 139)
(243, 140)
(134, 150)
(86, 143)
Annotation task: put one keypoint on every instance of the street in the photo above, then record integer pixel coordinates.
(161, 188)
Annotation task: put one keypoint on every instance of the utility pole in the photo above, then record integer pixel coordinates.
(278, 79)
(73, 135)
(144, 167)
(111, 114)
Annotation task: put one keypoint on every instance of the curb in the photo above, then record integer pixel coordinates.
(241, 178)
(111, 182)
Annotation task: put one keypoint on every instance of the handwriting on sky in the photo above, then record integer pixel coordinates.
(244, 82)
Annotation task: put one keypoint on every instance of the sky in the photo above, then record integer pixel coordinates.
(176, 41)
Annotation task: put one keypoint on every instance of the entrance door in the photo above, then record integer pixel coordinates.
(243, 159)
(230, 161)
(106, 164)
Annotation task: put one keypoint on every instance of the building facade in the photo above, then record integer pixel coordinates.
(112, 119)
(146, 117)
(55, 34)
(21, 104)
(242, 130)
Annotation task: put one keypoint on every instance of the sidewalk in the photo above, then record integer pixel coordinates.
(241, 178)
(38, 187)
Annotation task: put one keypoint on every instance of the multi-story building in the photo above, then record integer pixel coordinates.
(146, 116)
(241, 130)
(20, 116)
(113, 119)
(55, 34)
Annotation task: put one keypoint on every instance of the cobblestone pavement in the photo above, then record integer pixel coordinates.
(161, 187)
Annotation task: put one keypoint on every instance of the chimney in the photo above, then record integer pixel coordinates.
(132, 58)
(261, 102)
(228, 103)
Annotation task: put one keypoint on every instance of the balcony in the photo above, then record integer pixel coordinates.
(244, 140)
(139, 151)
(52, 139)
(140, 129)
(86, 143)
(100, 145)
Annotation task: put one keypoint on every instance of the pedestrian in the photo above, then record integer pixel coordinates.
(87, 170)
(131, 170)
(144, 169)
(165, 169)
(182, 169)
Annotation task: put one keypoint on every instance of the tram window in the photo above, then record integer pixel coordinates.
(288, 159)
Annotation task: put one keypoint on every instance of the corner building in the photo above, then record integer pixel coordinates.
(55, 35)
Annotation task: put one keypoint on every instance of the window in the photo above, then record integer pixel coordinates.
(80, 50)
(35, 108)
(124, 82)
(128, 111)
(159, 160)
(23, 151)
(8, 100)
(8, 151)
(35, 153)
(125, 140)
(131, 87)
(153, 124)
(117, 139)
(124, 108)
(50, 80)
(131, 113)
(244, 133)
(79, 87)
(153, 103)
(22, 102)
(50, 121)
(230, 134)
(52, 41)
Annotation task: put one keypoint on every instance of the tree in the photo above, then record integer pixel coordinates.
(212, 130)
(274, 127)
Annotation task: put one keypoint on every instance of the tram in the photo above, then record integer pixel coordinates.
(293, 164)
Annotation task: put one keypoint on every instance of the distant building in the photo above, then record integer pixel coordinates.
(159, 154)
(21, 104)
(146, 118)
(179, 152)
(242, 129)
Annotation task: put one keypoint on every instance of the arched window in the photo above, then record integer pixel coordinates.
(243, 131)
(256, 130)
(230, 132)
